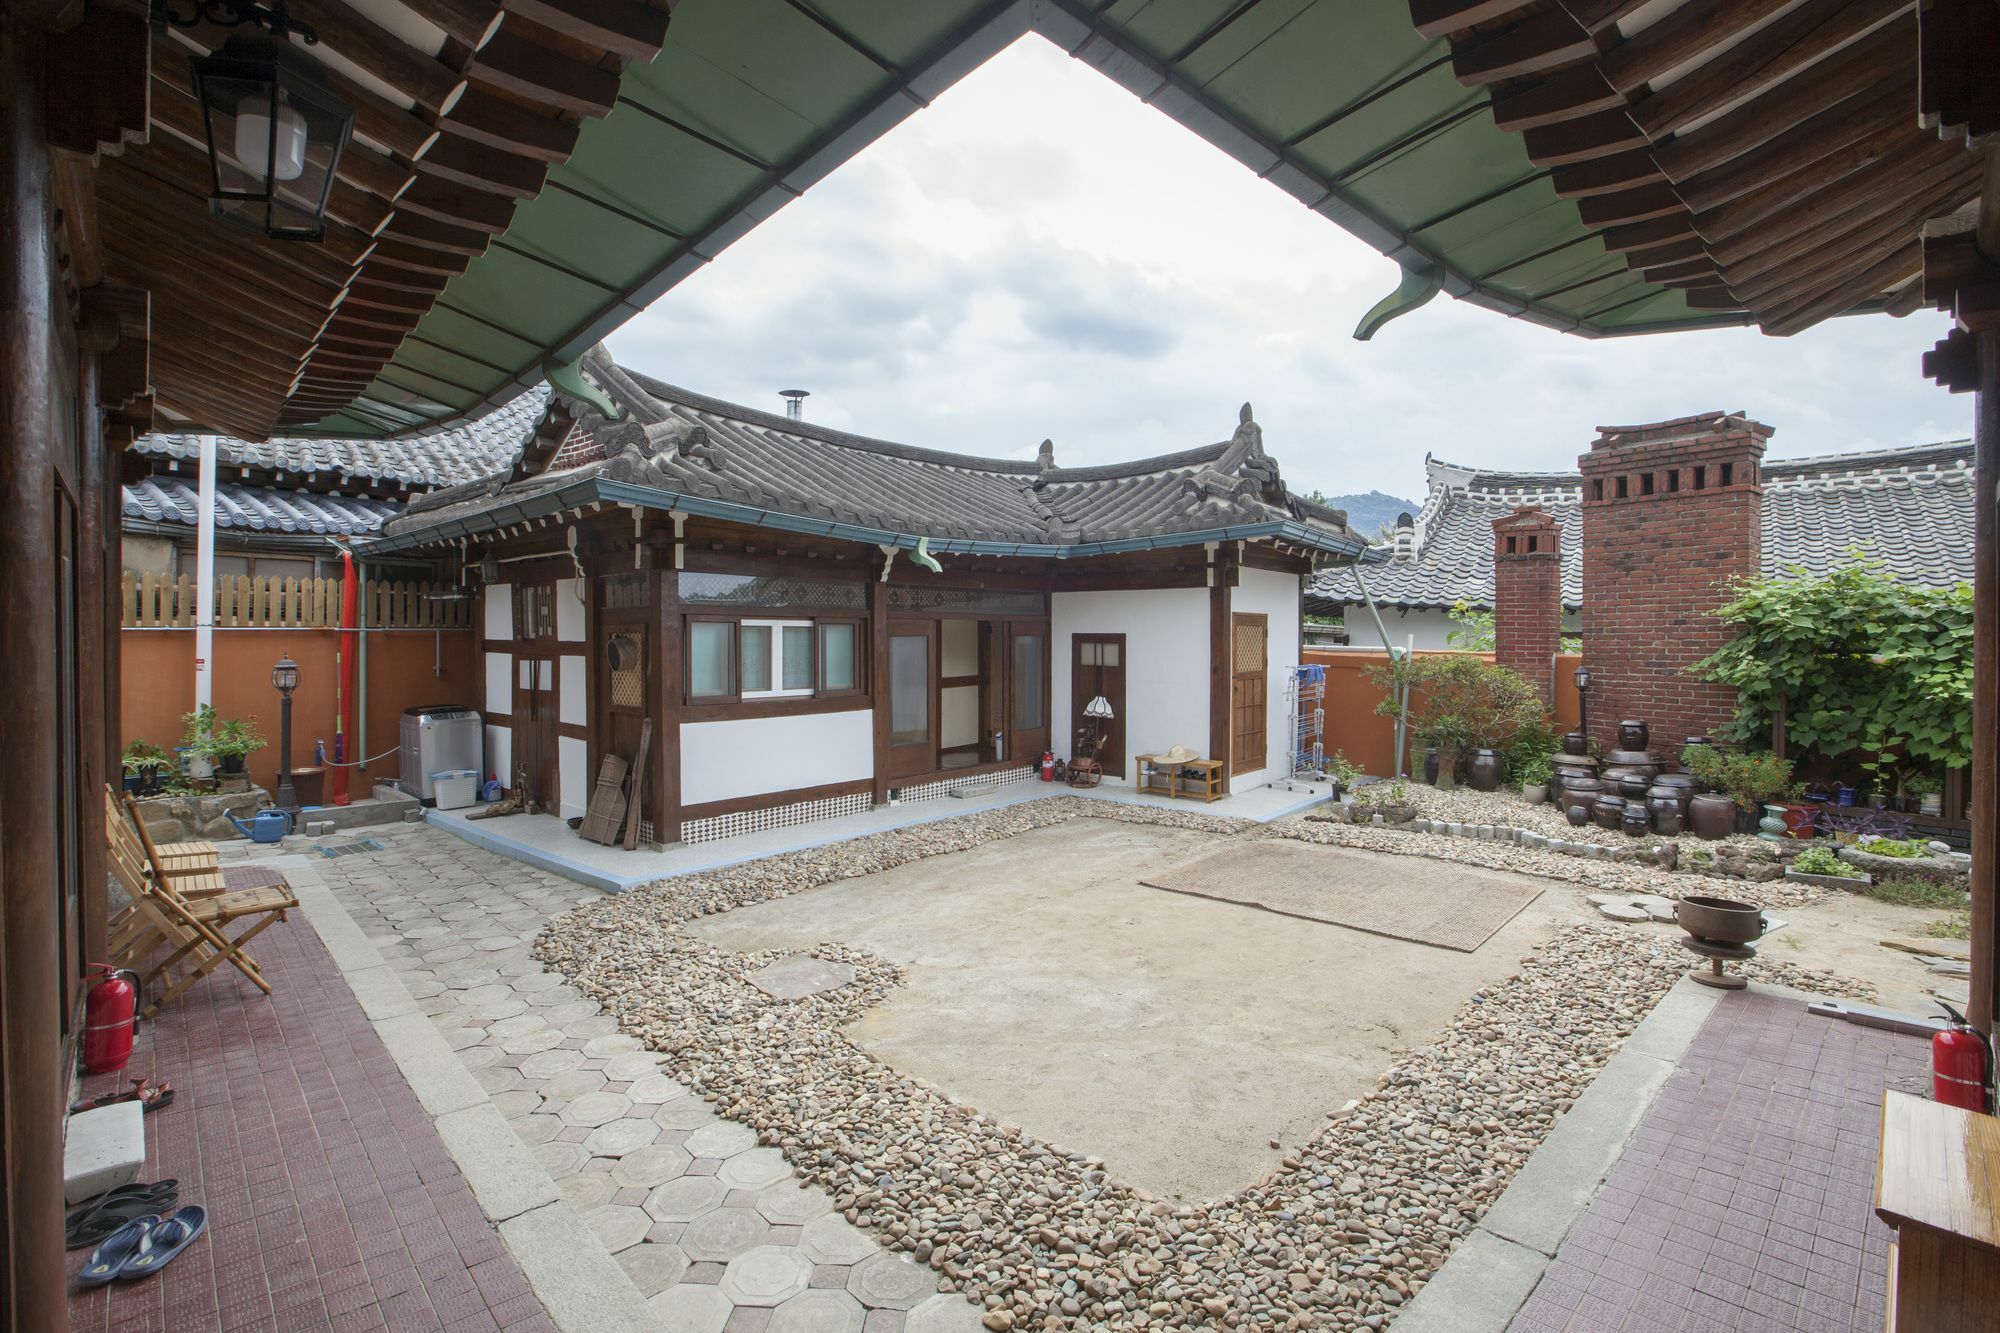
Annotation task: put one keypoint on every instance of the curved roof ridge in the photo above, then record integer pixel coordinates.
(1904, 456)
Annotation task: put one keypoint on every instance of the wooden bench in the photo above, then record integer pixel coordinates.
(1937, 1183)
(1197, 779)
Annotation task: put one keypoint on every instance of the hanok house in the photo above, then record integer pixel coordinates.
(1910, 509)
(813, 621)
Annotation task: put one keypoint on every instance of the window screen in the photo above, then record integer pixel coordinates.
(756, 658)
(837, 669)
(709, 643)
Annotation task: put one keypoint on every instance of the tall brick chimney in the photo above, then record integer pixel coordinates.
(1671, 517)
(1527, 595)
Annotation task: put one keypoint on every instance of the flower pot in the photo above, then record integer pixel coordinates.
(1447, 768)
(230, 764)
(1664, 804)
(1633, 735)
(132, 782)
(1711, 816)
(1799, 818)
(1484, 772)
(1535, 794)
(1576, 743)
(1609, 812)
(1637, 822)
(1746, 820)
(1932, 803)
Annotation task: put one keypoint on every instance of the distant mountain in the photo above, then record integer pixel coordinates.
(1372, 514)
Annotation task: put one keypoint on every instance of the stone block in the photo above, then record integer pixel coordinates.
(103, 1149)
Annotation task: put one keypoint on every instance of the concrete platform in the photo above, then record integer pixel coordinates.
(549, 843)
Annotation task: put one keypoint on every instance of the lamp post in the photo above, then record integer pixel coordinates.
(285, 679)
(1583, 701)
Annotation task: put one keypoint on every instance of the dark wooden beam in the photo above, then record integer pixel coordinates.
(1673, 252)
(1849, 72)
(1684, 35)
(1626, 206)
(424, 79)
(1904, 264)
(1539, 44)
(97, 82)
(1584, 138)
(1579, 91)
(409, 257)
(1778, 211)
(1776, 51)
(413, 228)
(627, 28)
(1437, 18)
(1637, 236)
(486, 118)
(440, 199)
(1823, 149)
(1603, 175)
(463, 162)
(516, 65)
(468, 22)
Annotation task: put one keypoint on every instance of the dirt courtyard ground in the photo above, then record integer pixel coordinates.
(1175, 1037)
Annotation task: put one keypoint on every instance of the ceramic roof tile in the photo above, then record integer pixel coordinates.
(257, 508)
(1911, 509)
(681, 442)
(465, 452)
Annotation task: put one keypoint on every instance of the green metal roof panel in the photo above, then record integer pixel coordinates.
(751, 101)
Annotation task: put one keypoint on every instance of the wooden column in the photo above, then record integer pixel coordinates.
(878, 678)
(1221, 577)
(1986, 694)
(666, 774)
(97, 335)
(31, 1076)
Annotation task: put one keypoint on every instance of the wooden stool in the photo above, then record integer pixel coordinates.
(1200, 778)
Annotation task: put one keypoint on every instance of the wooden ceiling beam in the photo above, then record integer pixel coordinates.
(1603, 175)
(1881, 55)
(402, 256)
(1781, 205)
(1685, 247)
(485, 118)
(520, 66)
(628, 28)
(173, 178)
(1756, 274)
(133, 238)
(1440, 18)
(1578, 91)
(1825, 148)
(1637, 236)
(1891, 272)
(1680, 37)
(1538, 44)
(376, 297)
(440, 199)
(234, 364)
(413, 228)
(1777, 289)
(424, 79)
(1682, 271)
(403, 280)
(1627, 206)
(468, 22)
(462, 162)
(1584, 138)
(1776, 51)
(345, 202)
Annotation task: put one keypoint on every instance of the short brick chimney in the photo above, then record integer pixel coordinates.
(1527, 595)
(1671, 518)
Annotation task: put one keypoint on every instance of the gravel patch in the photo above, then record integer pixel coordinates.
(1344, 1232)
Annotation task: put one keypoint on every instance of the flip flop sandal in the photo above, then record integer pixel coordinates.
(119, 1249)
(101, 1216)
(153, 1097)
(164, 1240)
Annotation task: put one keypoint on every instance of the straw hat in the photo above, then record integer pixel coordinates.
(1180, 754)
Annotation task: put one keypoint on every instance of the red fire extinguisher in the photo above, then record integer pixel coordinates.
(110, 1019)
(1048, 765)
(1960, 1059)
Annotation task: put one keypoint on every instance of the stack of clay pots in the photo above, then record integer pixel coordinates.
(1576, 785)
(1631, 790)
(1632, 771)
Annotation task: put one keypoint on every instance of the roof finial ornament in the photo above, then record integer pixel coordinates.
(1243, 417)
(1045, 457)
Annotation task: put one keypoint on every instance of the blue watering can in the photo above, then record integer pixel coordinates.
(268, 825)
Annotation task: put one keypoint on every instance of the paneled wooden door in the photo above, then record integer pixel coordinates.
(913, 698)
(536, 724)
(1097, 668)
(1249, 641)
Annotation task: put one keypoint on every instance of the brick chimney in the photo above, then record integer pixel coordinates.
(1671, 518)
(1527, 595)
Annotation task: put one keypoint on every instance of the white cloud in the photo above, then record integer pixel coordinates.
(1039, 254)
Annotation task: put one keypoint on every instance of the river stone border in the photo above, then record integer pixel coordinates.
(1340, 1236)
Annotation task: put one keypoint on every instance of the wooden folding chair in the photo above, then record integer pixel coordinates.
(164, 913)
(190, 860)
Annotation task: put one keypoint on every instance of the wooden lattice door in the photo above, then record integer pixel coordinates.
(1249, 640)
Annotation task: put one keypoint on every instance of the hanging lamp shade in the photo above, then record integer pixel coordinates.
(275, 135)
(1098, 707)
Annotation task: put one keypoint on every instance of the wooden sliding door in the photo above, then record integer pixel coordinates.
(1249, 640)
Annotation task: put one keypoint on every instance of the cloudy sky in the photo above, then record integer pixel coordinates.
(1039, 255)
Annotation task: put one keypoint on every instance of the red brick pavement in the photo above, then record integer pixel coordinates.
(333, 1204)
(1746, 1199)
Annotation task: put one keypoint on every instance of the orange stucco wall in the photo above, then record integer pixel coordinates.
(1353, 728)
(157, 686)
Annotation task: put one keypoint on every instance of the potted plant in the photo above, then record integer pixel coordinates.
(223, 743)
(1459, 703)
(1928, 792)
(1343, 773)
(1389, 799)
(1819, 865)
(1755, 779)
(1535, 774)
(143, 762)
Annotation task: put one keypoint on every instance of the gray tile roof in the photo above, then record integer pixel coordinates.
(1911, 509)
(257, 508)
(679, 442)
(465, 452)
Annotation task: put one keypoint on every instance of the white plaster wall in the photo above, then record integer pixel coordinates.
(500, 754)
(1277, 597)
(1432, 627)
(573, 692)
(721, 761)
(572, 775)
(1166, 666)
(500, 683)
(569, 610)
(499, 601)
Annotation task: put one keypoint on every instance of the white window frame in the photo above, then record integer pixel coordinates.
(777, 663)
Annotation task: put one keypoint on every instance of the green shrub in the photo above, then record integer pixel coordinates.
(1908, 848)
(1820, 861)
(1915, 891)
(1957, 926)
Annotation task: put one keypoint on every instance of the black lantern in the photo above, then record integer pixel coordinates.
(275, 130)
(1583, 699)
(285, 679)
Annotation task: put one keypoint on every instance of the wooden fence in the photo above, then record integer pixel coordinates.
(155, 601)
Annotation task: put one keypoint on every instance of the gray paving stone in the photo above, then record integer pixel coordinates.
(561, 1159)
(653, 1268)
(587, 1190)
(596, 1108)
(691, 1308)
(800, 975)
(818, 1312)
(752, 1169)
(790, 1203)
(766, 1276)
(548, 1064)
(685, 1113)
(892, 1281)
(723, 1233)
(656, 1089)
(620, 1137)
(831, 1239)
(686, 1199)
(943, 1313)
(631, 1066)
(618, 1225)
(651, 1166)
(722, 1138)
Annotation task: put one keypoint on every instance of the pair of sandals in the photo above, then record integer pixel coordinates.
(143, 1246)
(151, 1097)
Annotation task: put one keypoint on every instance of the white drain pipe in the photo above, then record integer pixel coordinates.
(204, 558)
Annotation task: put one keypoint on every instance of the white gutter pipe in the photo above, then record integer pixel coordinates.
(204, 559)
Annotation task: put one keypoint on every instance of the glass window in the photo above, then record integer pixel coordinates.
(1028, 714)
(795, 667)
(756, 659)
(709, 643)
(838, 665)
(909, 689)
(1110, 653)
